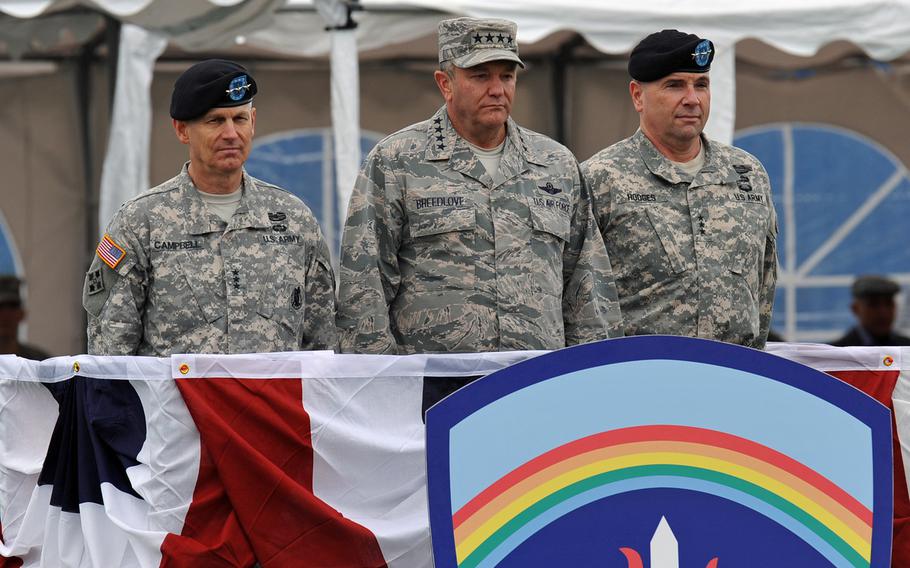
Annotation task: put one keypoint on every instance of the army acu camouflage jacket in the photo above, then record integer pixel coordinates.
(189, 283)
(691, 256)
(436, 258)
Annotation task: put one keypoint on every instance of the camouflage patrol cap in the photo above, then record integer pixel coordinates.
(670, 51)
(211, 84)
(874, 285)
(467, 42)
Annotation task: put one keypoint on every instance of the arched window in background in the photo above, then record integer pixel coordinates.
(302, 162)
(843, 207)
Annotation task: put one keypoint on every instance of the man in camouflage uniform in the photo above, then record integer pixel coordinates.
(213, 260)
(466, 232)
(688, 221)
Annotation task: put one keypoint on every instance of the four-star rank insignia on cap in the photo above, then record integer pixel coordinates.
(110, 252)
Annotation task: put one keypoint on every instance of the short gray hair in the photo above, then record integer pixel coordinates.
(448, 68)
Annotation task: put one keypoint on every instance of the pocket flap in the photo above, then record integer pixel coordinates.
(440, 221)
(553, 219)
(668, 242)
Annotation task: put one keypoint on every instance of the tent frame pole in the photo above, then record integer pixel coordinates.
(84, 95)
(560, 63)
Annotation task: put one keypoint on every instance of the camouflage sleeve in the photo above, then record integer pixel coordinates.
(593, 176)
(768, 282)
(319, 321)
(369, 274)
(114, 296)
(590, 303)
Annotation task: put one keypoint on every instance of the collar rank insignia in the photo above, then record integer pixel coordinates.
(549, 188)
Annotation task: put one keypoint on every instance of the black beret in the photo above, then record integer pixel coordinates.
(209, 84)
(670, 51)
(874, 285)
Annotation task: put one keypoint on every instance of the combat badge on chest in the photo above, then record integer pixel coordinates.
(744, 184)
(560, 202)
(279, 225)
(549, 188)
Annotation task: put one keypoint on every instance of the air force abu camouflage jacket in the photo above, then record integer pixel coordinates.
(692, 256)
(171, 277)
(438, 258)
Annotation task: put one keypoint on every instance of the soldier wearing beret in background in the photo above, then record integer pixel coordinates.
(467, 232)
(213, 260)
(688, 221)
(876, 310)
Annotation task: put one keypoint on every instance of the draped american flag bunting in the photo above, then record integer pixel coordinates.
(304, 459)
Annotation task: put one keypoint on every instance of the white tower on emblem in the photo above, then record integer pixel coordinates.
(664, 547)
(664, 550)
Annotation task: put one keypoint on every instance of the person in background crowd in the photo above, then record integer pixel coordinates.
(12, 313)
(688, 222)
(876, 310)
(467, 232)
(213, 260)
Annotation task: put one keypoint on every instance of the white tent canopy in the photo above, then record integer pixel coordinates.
(881, 28)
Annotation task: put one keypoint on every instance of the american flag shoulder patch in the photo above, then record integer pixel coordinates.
(109, 251)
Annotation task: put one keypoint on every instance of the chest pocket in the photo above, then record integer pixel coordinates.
(439, 253)
(551, 227)
(284, 298)
(551, 216)
(429, 223)
(668, 241)
(180, 288)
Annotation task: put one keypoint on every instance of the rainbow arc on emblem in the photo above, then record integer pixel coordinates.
(585, 470)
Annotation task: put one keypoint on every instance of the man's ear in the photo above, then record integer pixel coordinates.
(636, 91)
(444, 82)
(181, 131)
